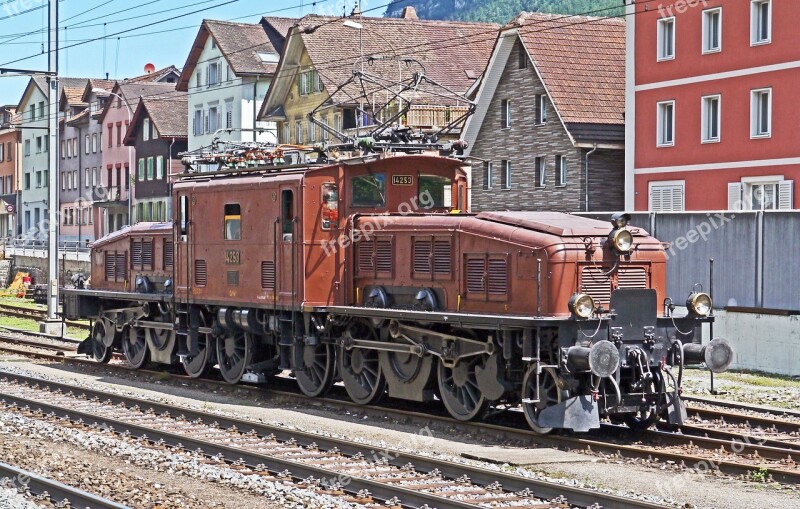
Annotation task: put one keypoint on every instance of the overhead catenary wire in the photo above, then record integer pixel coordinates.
(529, 28)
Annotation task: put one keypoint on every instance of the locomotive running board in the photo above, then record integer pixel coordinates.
(454, 319)
(580, 413)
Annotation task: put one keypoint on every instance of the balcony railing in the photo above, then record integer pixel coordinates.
(107, 194)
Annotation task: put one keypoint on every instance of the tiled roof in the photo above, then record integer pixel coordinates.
(73, 96)
(169, 113)
(581, 60)
(450, 51)
(133, 91)
(153, 76)
(80, 117)
(281, 25)
(241, 43)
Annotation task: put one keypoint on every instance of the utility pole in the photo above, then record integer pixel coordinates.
(51, 323)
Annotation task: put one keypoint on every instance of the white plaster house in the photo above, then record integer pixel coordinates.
(227, 75)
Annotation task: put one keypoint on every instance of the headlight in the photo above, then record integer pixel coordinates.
(581, 305)
(621, 241)
(699, 304)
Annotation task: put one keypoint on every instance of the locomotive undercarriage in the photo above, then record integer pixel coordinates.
(471, 365)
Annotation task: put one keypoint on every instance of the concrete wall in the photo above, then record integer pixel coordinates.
(767, 343)
(38, 267)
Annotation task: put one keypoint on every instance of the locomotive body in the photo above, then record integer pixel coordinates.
(370, 271)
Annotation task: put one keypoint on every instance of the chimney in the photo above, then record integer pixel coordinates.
(409, 13)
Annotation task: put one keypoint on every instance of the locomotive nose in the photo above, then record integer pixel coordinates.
(717, 354)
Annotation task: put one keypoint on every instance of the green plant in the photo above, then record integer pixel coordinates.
(759, 475)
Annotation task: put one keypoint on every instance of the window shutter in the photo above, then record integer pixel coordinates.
(677, 199)
(734, 196)
(656, 199)
(786, 195)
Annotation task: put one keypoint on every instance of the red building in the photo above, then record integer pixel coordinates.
(712, 111)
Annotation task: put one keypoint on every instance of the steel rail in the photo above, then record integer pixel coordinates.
(479, 476)
(57, 491)
(744, 444)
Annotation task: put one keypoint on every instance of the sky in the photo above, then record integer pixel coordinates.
(160, 32)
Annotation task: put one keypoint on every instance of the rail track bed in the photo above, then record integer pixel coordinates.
(51, 491)
(341, 466)
(738, 451)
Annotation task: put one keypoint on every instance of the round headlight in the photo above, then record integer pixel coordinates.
(699, 304)
(622, 241)
(581, 305)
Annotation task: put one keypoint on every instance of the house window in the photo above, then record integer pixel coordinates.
(710, 118)
(561, 170)
(87, 144)
(119, 135)
(287, 133)
(505, 113)
(41, 109)
(763, 196)
(666, 38)
(27, 147)
(312, 132)
(150, 168)
(38, 180)
(666, 196)
(523, 57)
(487, 175)
(63, 150)
(154, 134)
(87, 177)
(146, 129)
(140, 176)
(214, 74)
(712, 30)
(197, 124)
(760, 21)
(541, 109)
(541, 171)
(665, 131)
(27, 181)
(33, 112)
(38, 144)
(233, 221)
(94, 143)
(110, 136)
(761, 113)
(228, 74)
(761, 193)
(213, 120)
(199, 78)
(505, 177)
(298, 132)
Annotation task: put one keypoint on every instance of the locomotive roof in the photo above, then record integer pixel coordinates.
(140, 228)
(555, 223)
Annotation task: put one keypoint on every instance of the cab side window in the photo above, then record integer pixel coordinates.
(369, 190)
(287, 214)
(330, 205)
(233, 221)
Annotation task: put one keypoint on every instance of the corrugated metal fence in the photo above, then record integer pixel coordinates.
(755, 254)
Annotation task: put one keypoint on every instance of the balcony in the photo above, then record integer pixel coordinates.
(104, 194)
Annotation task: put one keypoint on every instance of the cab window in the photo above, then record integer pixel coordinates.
(287, 214)
(233, 221)
(330, 206)
(435, 192)
(369, 190)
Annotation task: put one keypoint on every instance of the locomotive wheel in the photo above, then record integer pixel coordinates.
(314, 367)
(134, 345)
(647, 415)
(459, 390)
(198, 365)
(100, 352)
(549, 394)
(360, 368)
(161, 338)
(234, 352)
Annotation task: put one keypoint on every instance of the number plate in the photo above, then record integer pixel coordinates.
(233, 257)
(402, 180)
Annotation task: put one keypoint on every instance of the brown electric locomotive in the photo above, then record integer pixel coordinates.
(370, 271)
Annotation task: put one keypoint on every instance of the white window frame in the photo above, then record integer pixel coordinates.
(755, 117)
(660, 124)
(662, 22)
(540, 171)
(707, 49)
(213, 74)
(213, 119)
(705, 102)
(675, 184)
(541, 109)
(755, 5)
(561, 171)
(198, 121)
(488, 177)
(506, 168)
(146, 129)
(505, 106)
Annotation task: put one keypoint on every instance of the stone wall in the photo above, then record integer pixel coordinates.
(38, 268)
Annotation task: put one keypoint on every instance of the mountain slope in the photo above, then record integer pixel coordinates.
(503, 11)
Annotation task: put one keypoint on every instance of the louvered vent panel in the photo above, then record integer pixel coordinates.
(596, 285)
(147, 254)
(200, 273)
(110, 266)
(422, 254)
(633, 277)
(268, 275)
(366, 261)
(442, 257)
(169, 254)
(136, 253)
(498, 276)
(384, 256)
(122, 267)
(476, 275)
(233, 278)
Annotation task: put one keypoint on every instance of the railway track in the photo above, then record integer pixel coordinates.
(35, 314)
(738, 453)
(397, 477)
(56, 491)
